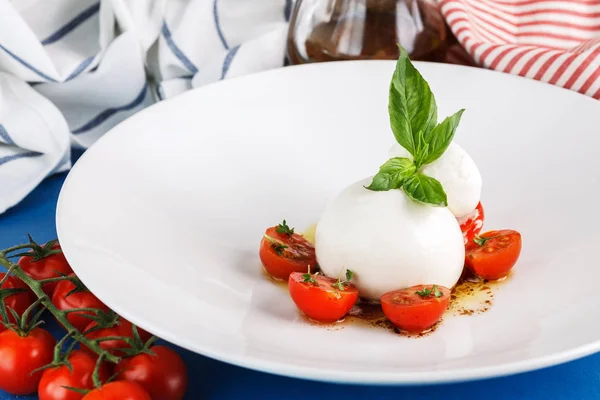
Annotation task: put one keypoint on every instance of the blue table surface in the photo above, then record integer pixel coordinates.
(210, 379)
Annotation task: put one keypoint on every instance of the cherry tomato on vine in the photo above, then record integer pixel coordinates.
(282, 252)
(53, 382)
(321, 298)
(20, 355)
(119, 390)
(46, 266)
(66, 297)
(493, 254)
(122, 327)
(18, 301)
(417, 308)
(472, 224)
(163, 375)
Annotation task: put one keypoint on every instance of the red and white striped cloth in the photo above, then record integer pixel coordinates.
(554, 41)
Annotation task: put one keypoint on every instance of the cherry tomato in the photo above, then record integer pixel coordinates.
(163, 375)
(321, 300)
(493, 254)
(472, 224)
(417, 308)
(122, 328)
(51, 266)
(53, 382)
(19, 301)
(119, 390)
(20, 355)
(282, 254)
(83, 299)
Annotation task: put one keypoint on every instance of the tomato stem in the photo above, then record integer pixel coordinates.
(57, 279)
(5, 278)
(61, 316)
(4, 293)
(59, 358)
(125, 339)
(96, 374)
(3, 253)
(58, 354)
(83, 309)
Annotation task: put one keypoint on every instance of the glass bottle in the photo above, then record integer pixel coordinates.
(331, 30)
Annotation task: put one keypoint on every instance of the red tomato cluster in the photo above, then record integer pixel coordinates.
(154, 373)
(288, 256)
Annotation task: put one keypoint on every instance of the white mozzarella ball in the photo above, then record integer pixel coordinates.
(389, 241)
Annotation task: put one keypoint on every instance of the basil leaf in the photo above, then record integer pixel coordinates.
(391, 175)
(440, 137)
(425, 189)
(412, 107)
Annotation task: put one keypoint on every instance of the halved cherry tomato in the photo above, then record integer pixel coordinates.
(493, 254)
(121, 328)
(472, 224)
(18, 301)
(417, 308)
(119, 390)
(319, 299)
(51, 266)
(284, 253)
(163, 374)
(64, 300)
(55, 381)
(20, 356)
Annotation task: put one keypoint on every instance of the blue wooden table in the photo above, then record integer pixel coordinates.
(211, 379)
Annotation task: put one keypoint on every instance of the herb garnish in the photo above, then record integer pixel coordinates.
(426, 292)
(341, 284)
(284, 229)
(276, 245)
(413, 119)
(480, 240)
(309, 278)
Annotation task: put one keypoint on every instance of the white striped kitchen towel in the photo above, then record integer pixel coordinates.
(66, 77)
(554, 41)
(203, 41)
(72, 69)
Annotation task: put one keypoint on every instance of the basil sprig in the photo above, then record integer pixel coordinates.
(413, 119)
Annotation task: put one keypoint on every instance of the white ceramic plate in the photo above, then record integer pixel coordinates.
(162, 219)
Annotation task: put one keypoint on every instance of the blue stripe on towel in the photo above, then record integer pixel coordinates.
(227, 61)
(81, 67)
(26, 64)
(5, 136)
(109, 112)
(72, 24)
(218, 25)
(4, 160)
(176, 50)
(287, 10)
